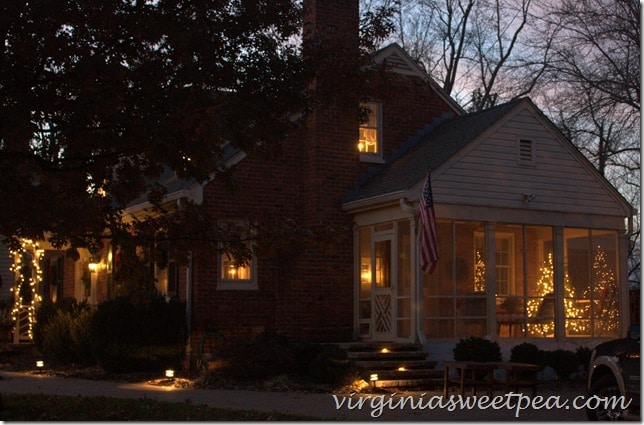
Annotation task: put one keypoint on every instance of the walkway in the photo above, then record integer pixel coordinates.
(314, 405)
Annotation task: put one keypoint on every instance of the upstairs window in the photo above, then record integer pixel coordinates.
(369, 143)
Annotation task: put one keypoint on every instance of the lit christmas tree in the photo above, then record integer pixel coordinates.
(605, 293)
(576, 316)
(479, 273)
(545, 286)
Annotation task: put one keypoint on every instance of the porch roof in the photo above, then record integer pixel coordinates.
(429, 149)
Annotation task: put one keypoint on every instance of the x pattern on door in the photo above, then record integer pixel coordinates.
(383, 313)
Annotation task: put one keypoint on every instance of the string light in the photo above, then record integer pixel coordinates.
(26, 268)
(479, 273)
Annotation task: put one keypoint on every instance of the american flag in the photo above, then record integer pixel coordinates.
(428, 245)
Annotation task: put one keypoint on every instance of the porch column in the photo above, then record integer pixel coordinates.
(560, 290)
(490, 277)
(623, 241)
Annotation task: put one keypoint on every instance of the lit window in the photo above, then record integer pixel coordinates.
(233, 273)
(369, 139)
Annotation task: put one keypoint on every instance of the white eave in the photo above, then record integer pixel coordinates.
(375, 201)
(193, 193)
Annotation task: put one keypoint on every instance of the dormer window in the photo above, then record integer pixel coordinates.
(369, 143)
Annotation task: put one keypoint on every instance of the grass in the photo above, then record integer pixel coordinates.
(41, 407)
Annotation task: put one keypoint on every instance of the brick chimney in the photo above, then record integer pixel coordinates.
(319, 302)
(332, 43)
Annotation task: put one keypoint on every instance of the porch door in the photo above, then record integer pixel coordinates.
(383, 294)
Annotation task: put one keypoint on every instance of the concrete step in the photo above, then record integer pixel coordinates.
(394, 364)
(407, 373)
(378, 346)
(409, 383)
(390, 355)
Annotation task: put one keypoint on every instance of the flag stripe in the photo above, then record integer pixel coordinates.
(428, 243)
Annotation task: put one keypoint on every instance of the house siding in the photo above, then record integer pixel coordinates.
(7, 276)
(489, 174)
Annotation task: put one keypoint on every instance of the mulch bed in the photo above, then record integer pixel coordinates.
(23, 357)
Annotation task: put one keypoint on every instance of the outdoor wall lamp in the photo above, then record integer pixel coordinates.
(93, 264)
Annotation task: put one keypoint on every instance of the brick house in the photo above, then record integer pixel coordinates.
(532, 239)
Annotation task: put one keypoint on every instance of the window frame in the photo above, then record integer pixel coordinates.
(224, 284)
(378, 155)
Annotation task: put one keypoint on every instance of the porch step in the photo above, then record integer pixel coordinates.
(396, 365)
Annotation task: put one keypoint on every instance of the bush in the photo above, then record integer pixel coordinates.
(149, 335)
(528, 353)
(332, 365)
(61, 332)
(478, 350)
(564, 362)
(267, 356)
(583, 357)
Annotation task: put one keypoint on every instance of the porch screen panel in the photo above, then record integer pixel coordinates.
(592, 283)
(539, 283)
(510, 282)
(455, 297)
(364, 297)
(605, 284)
(471, 296)
(438, 290)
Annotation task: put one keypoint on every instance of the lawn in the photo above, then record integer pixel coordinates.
(41, 407)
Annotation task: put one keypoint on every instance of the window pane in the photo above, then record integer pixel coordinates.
(368, 137)
(605, 283)
(404, 259)
(364, 235)
(577, 281)
(539, 282)
(439, 328)
(230, 271)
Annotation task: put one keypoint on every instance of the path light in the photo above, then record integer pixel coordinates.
(373, 378)
(169, 373)
(40, 364)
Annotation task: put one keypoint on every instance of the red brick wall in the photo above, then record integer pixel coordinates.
(305, 294)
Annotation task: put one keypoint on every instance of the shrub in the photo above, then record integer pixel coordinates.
(583, 357)
(332, 365)
(65, 337)
(564, 362)
(528, 353)
(149, 335)
(45, 312)
(267, 356)
(62, 331)
(478, 350)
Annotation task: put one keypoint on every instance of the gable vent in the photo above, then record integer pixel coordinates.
(525, 152)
